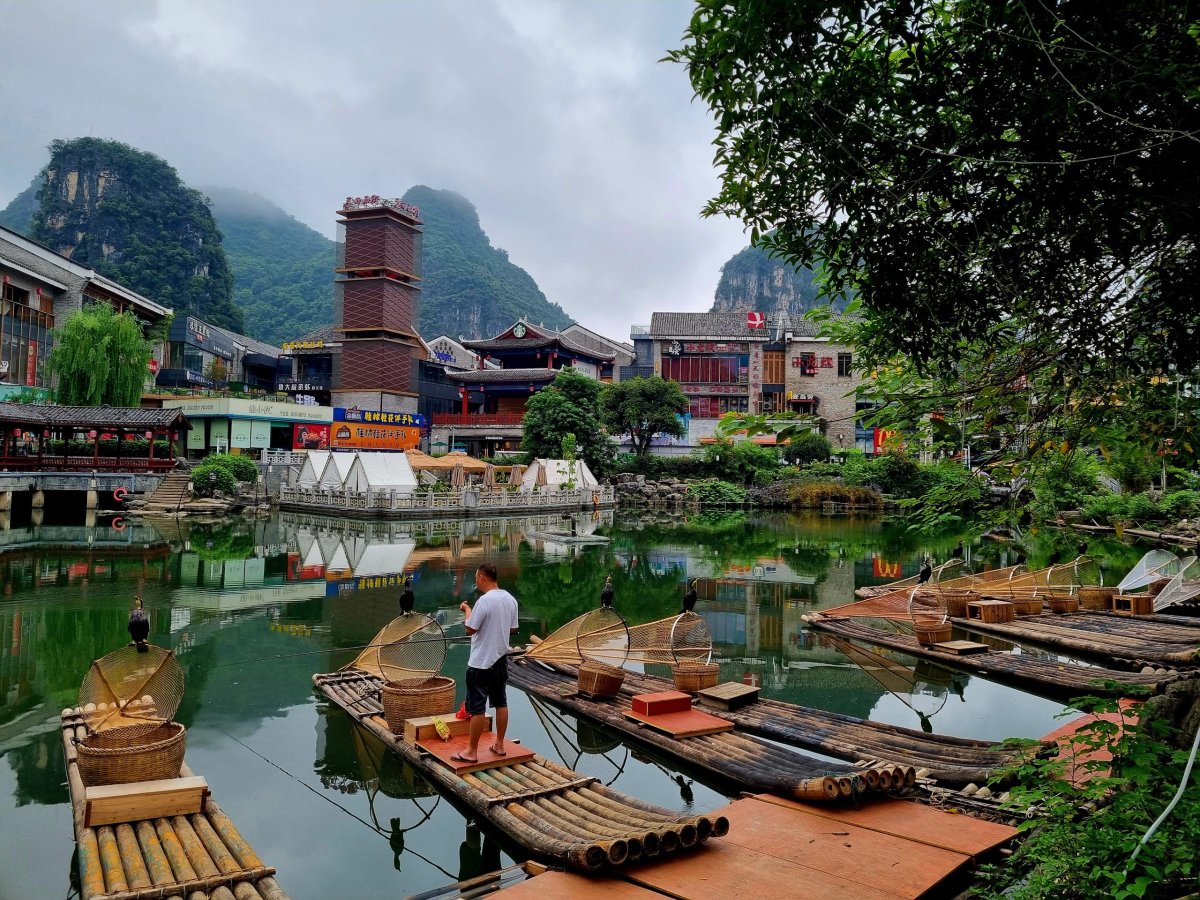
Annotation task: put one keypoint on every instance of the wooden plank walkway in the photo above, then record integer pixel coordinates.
(199, 856)
(782, 849)
(950, 760)
(1045, 677)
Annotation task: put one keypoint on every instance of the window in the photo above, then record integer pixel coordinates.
(705, 369)
(806, 363)
(845, 365)
(773, 368)
(715, 407)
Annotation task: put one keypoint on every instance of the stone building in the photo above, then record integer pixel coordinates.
(820, 381)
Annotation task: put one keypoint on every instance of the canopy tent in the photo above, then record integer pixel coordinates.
(557, 473)
(337, 467)
(380, 472)
(424, 462)
(311, 469)
(383, 559)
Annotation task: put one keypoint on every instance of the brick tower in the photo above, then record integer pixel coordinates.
(377, 293)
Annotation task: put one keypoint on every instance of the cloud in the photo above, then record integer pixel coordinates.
(586, 157)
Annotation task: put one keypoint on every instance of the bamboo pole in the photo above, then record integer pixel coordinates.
(131, 856)
(110, 860)
(173, 849)
(152, 852)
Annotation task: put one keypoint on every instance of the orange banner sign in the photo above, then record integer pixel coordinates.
(355, 436)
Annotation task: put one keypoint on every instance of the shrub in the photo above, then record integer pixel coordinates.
(1110, 508)
(242, 467)
(1180, 505)
(813, 494)
(714, 490)
(209, 477)
(809, 447)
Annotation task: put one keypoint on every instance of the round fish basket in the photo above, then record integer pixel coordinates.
(1027, 607)
(692, 677)
(131, 753)
(1157, 586)
(955, 600)
(1096, 598)
(600, 679)
(1063, 603)
(411, 700)
(933, 633)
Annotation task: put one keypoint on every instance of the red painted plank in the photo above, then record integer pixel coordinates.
(688, 723)
(445, 750)
(571, 886)
(661, 702)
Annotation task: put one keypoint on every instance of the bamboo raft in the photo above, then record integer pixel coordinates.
(1049, 678)
(743, 759)
(194, 857)
(948, 760)
(552, 811)
(1121, 639)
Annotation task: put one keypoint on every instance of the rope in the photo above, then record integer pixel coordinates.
(455, 640)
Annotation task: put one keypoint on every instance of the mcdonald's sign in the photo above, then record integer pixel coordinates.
(884, 569)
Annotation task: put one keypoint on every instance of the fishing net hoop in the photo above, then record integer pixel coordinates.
(681, 638)
(128, 689)
(1184, 586)
(1154, 565)
(415, 656)
(603, 635)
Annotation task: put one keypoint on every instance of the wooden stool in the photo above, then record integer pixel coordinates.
(996, 611)
(1133, 604)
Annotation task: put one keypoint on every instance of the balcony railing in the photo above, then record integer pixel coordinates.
(50, 463)
(477, 419)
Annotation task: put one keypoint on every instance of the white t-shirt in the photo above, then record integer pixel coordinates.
(493, 618)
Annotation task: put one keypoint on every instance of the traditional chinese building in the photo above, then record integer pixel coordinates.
(820, 381)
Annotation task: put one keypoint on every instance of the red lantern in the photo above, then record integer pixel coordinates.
(149, 434)
(45, 432)
(16, 432)
(92, 435)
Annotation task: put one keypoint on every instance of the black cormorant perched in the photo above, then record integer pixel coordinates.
(1020, 559)
(1055, 558)
(957, 552)
(1082, 549)
(689, 599)
(926, 572)
(606, 593)
(139, 626)
(407, 598)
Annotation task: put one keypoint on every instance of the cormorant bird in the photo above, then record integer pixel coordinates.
(1020, 559)
(139, 626)
(407, 598)
(689, 599)
(926, 572)
(1082, 549)
(606, 593)
(957, 552)
(1055, 557)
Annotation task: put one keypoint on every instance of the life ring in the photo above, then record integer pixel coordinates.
(118, 524)
(120, 494)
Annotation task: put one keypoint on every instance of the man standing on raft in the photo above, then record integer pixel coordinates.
(490, 626)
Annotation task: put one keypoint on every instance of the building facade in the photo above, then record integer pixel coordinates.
(820, 381)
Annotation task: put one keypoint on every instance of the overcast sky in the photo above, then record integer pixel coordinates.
(586, 157)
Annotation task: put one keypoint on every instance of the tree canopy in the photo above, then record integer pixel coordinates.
(1011, 188)
(100, 358)
(570, 404)
(643, 407)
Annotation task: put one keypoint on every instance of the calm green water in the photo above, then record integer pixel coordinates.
(254, 610)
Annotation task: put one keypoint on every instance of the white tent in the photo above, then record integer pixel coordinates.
(336, 469)
(557, 474)
(384, 559)
(311, 468)
(380, 472)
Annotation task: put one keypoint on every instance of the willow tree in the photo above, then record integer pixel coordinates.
(100, 358)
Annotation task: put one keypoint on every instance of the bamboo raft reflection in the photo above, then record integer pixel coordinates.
(549, 809)
(196, 856)
(1045, 677)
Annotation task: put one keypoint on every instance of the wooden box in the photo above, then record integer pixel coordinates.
(662, 702)
(111, 804)
(997, 611)
(421, 728)
(1133, 604)
(729, 695)
(1025, 606)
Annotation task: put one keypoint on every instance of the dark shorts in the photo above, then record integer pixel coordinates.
(487, 686)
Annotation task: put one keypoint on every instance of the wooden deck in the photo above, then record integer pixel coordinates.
(1046, 677)
(198, 856)
(950, 760)
(553, 812)
(778, 848)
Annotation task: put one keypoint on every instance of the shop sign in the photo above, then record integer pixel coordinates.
(353, 436)
(303, 345)
(198, 329)
(31, 363)
(715, 347)
(372, 417)
(881, 568)
(310, 437)
(699, 390)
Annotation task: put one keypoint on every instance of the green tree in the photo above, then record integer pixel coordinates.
(807, 447)
(1008, 186)
(642, 407)
(569, 404)
(100, 358)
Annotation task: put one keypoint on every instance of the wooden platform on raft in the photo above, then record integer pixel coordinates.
(949, 760)
(163, 853)
(777, 848)
(1046, 677)
(1124, 641)
(743, 759)
(445, 752)
(728, 695)
(553, 812)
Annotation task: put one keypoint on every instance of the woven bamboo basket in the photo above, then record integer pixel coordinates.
(932, 633)
(1096, 597)
(431, 697)
(600, 679)
(956, 599)
(1027, 606)
(694, 676)
(1063, 603)
(131, 753)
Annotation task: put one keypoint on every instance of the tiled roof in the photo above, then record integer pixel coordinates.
(502, 376)
(91, 416)
(326, 333)
(686, 325)
(550, 337)
(252, 345)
